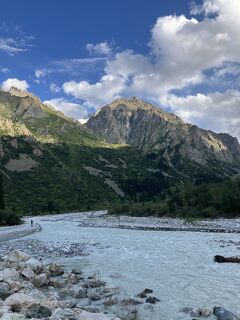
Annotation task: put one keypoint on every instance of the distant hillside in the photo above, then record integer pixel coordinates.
(50, 163)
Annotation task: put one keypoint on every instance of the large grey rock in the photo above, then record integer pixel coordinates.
(9, 274)
(40, 280)
(16, 256)
(13, 316)
(18, 301)
(4, 310)
(55, 270)
(66, 314)
(34, 264)
(28, 273)
(38, 312)
(5, 290)
(223, 314)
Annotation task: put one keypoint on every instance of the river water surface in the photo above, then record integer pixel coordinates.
(178, 266)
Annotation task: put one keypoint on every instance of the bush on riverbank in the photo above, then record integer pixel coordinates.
(190, 201)
(9, 218)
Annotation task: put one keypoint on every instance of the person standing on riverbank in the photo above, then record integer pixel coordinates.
(31, 223)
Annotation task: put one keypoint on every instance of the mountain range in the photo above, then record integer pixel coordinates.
(127, 149)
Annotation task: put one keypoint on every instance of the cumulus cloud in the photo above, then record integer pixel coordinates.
(183, 52)
(13, 82)
(73, 110)
(102, 48)
(107, 89)
(218, 111)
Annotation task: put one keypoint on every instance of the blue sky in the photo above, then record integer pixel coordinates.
(79, 55)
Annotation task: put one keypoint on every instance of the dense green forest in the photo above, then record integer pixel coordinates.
(206, 200)
(7, 216)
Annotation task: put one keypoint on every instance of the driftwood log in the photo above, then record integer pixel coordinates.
(221, 259)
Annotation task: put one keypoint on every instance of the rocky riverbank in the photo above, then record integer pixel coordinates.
(160, 224)
(33, 289)
(30, 289)
(101, 219)
(8, 233)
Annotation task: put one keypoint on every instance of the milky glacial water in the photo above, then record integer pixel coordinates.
(178, 266)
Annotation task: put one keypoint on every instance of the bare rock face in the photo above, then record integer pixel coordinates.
(149, 128)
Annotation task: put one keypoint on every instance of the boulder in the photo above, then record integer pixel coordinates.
(40, 280)
(9, 274)
(66, 314)
(13, 316)
(68, 303)
(28, 273)
(4, 310)
(5, 291)
(223, 314)
(55, 270)
(16, 256)
(52, 303)
(38, 312)
(80, 292)
(34, 264)
(77, 271)
(18, 301)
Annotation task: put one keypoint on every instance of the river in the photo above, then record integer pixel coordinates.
(177, 266)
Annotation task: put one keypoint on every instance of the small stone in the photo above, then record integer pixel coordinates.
(147, 291)
(142, 295)
(205, 312)
(40, 280)
(196, 312)
(130, 301)
(76, 271)
(80, 293)
(28, 273)
(55, 270)
(152, 300)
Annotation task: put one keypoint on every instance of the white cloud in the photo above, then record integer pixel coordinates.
(14, 45)
(70, 109)
(107, 89)
(102, 48)
(182, 49)
(216, 111)
(13, 82)
(54, 88)
(40, 73)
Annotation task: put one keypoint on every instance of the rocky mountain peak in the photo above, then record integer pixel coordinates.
(14, 91)
(153, 130)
